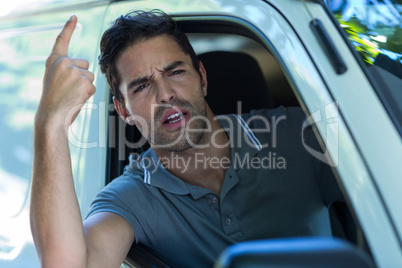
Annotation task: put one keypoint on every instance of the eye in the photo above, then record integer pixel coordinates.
(138, 89)
(177, 72)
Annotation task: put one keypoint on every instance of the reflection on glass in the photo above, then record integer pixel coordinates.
(373, 27)
(374, 30)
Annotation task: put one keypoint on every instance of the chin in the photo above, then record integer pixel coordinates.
(180, 144)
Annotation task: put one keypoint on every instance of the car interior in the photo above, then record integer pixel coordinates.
(240, 68)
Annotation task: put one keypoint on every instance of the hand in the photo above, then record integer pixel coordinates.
(67, 83)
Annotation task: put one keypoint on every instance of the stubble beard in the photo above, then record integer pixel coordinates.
(180, 139)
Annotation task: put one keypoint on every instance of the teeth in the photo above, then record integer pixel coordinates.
(180, 115)
(173, 116)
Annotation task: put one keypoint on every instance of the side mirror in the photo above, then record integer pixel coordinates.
(308, 252)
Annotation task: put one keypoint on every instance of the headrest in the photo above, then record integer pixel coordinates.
(233, 77)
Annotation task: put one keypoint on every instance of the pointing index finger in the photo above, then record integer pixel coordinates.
(63, 39)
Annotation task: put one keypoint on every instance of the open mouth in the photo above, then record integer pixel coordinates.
(175, 118)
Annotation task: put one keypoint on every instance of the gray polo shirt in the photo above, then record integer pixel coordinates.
(272, 188)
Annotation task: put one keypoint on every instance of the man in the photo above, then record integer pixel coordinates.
(205, 183)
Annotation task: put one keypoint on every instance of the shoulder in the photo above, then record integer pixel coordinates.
(130, 184)
(124, 194)
(122, 189)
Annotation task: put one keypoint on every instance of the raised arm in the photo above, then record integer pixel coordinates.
(56, 222)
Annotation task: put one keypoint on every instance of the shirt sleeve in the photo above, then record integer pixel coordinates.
(119, 197)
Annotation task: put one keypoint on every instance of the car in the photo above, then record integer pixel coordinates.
(339, 60)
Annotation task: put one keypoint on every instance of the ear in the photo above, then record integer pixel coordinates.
(122, 111)
(204, 81)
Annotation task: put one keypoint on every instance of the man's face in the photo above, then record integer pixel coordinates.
(164, 94)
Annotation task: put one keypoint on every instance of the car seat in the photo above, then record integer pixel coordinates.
(234, 77)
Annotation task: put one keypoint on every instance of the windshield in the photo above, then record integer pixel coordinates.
(373, 28)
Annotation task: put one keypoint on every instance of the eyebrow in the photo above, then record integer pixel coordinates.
(172, 66)
(138, 81)
(142, 79)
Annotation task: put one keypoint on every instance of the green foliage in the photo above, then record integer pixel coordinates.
(360, 39)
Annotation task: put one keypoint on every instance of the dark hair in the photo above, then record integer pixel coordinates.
(130, 29)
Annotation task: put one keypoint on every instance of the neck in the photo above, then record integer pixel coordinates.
(204, 165)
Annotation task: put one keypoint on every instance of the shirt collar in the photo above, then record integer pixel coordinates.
(244, 144)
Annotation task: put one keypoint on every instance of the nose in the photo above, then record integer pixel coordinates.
(165, 94)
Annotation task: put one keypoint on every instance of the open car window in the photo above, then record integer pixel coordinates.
(278, 84)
